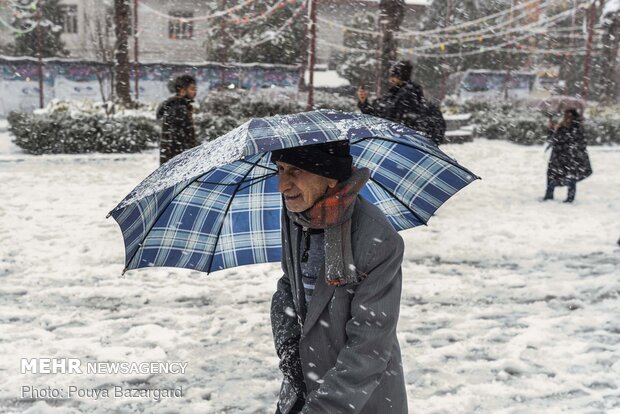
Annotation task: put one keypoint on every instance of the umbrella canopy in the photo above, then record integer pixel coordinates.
(217, 206)
(560, 103)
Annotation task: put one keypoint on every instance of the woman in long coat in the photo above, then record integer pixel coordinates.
(569, 160)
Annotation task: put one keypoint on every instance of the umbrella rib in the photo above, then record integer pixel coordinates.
(262, 166)
(384, 188)
(255, 179)
(133, 256)
(263, 178)
(449, 160)
(217, 237)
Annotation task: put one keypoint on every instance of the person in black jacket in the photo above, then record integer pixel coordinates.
(177, 131)
(405, 103)
(569, 160)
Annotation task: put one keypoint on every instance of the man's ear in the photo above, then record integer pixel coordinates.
(331, 183)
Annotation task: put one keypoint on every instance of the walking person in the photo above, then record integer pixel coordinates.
(569, 161)
(335, 311)
(405, 103)
(177, 131)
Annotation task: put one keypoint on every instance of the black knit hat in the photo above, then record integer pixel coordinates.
(330, 160)
(402, 70)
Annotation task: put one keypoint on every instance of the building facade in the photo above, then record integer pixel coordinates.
(177, 31)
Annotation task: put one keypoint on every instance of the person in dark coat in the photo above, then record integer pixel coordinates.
(569, 161)
(404, 101)
(177, 131)
(336, 307)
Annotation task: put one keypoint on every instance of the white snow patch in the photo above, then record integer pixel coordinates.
(327, 79)
(504, 298)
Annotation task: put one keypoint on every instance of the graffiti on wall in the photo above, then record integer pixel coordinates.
(83, 80)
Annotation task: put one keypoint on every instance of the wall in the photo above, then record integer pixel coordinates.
(84, 80)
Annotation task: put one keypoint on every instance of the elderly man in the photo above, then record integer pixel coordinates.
(335, 310)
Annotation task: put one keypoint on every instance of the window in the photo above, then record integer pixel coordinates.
(179, 28)
(69, 18)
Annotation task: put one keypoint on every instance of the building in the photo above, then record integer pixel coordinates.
(176, 31)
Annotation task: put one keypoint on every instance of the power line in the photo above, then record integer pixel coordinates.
(481, 50)
(482, 31)
(469, 39)
(529, 28)
(472, 22)
(273, 35)
(199, 18)
(431, 33)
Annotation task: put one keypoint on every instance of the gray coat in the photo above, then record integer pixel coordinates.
(348, 348)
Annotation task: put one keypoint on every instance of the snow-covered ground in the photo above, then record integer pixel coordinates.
(509, 305)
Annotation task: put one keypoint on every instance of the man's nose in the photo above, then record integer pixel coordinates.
(284, 182)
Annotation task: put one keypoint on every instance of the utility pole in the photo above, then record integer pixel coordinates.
(136, 69)
(312, 27)
(40, 54)
(508, 77)
(391, 14)
(588, 58)
(444, 76)
(224, 54)
(122, 67)
(301, 84)
(380, 29)
(567, 71)
(611, 46)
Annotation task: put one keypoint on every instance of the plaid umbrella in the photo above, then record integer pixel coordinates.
(217, 206)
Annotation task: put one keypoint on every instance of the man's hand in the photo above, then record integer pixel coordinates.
(290, 365)
(362, 94)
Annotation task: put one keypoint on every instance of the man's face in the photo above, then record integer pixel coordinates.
(189, 92)
(301, 189)
(394, 81)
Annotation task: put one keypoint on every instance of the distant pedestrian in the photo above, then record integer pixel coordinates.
(178, 132)
(405, 103)
(569, 160)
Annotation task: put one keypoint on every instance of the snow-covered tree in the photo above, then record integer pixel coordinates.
(268, 32)
(608, 83)
(359, 66)
(430, 70)
(28, 24)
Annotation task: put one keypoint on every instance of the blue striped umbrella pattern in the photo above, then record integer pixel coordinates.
(217, 206)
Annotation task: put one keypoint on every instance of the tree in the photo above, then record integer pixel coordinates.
(99, 28)
(359, 64)
(608, 84)
(429, 70)
(259, 33)
(121, 30)
(50, 26)
(391, 13)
